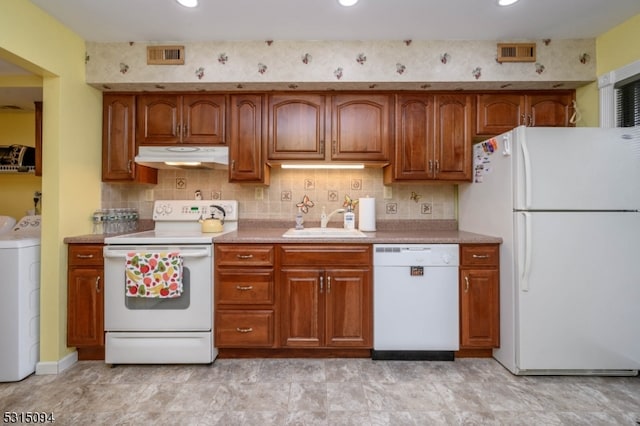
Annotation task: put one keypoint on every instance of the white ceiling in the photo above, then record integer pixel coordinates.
(164, 21)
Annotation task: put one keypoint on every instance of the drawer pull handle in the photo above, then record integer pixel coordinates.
(480, 256)
(245, 256)
(244, 287)
(84, 256)
(244, 330)
(466, 285)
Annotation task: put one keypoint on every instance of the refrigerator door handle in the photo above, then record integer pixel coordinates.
(528, 249)
(526, 165)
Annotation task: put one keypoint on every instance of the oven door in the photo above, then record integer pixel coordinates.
(191, 311)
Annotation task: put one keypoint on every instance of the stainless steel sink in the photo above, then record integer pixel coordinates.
(324, 233)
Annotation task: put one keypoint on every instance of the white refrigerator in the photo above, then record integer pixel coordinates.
(565, 202)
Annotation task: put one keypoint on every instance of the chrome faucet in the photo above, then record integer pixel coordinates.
(324, 217)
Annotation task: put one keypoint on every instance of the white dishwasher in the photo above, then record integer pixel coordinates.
(415, 301)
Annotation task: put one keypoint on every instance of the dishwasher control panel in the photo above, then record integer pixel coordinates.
(416, 255)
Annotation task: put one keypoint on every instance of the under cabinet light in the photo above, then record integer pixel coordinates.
(347, 3)
(506, 2)
(188, 3)
(322, 166)
(183, 163)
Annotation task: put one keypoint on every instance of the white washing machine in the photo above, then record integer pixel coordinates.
(20, 299)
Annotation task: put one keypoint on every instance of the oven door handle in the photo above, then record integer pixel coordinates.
(122, 254)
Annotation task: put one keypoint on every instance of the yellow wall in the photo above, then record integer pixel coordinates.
(16, 189)
(614, 49)
(71, 149)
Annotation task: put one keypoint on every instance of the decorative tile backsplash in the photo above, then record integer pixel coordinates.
(288, 188)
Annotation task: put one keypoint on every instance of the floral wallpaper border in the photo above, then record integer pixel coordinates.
(307, 62)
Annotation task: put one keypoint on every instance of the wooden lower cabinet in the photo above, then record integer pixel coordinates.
(85, 300)
(326, 297)
(244, 296)
(479, 297)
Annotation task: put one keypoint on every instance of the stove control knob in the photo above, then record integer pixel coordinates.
(446, 258)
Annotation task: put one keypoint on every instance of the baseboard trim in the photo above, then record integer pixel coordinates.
(56, 367)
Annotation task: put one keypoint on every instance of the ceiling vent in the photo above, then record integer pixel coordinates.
(516, 52)
(165, 55)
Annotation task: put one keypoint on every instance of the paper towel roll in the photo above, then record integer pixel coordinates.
(367, 219)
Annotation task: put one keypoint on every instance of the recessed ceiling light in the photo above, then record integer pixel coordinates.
(506, 2)
(347, 2)
(188, 3)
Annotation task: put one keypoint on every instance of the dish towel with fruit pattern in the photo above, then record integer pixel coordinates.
(153, 274)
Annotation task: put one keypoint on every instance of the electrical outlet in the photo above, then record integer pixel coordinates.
(387, 193)
(259, 193)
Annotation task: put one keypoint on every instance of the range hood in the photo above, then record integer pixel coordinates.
(183, 157)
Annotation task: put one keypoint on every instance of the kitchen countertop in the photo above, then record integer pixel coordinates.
(252, 231)
(387, 232)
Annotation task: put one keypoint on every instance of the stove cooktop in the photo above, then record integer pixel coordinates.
(177, 222)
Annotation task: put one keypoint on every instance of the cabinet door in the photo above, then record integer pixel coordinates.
(245, 139)
(414, 137)
(302, 318)
(348, 308)
(85, 318)
(360, 127)
(549, 110)
(479, 308)
(498, 113)
(453, 137)
(203, 119)
(118, 137)
(158, 117)
(118, 142)
(296, 127)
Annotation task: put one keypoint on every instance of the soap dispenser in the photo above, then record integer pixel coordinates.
(349, 219)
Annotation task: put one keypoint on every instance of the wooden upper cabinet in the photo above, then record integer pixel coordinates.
(167, 119)
(38, 139)
(453, 137)
(118, 142)
(433, 138)
(414, 137)
(361, 127)
(296, 127)
(246, 162)
(549, 110)
(500, 112)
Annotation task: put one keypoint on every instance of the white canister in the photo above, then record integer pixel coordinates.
(367, 219)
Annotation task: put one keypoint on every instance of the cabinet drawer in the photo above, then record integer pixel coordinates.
(244, 286)
(479, 255)
(239, 329)
(326, 255)
(244, 255)
(83, 254)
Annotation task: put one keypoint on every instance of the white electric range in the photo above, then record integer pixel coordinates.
(147, 327)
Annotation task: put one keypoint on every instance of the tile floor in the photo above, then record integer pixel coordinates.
(322, 392)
